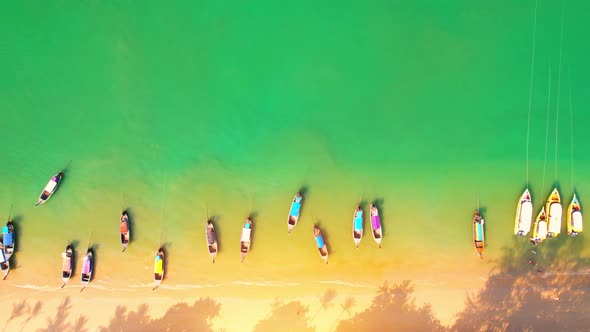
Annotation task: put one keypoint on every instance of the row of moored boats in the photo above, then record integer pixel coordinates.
(210, 236)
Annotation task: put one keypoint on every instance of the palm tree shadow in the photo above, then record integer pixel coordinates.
(545, 285)
(60, 321)
(32, 314)
(292, 314)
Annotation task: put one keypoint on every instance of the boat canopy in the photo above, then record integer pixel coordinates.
(210, 236)
(66, 263)
(295, 208)
(358, 221)
(542, 230)
(8, 239)
(479, 231)
(246, 233)
(158, 265)
(86, 266)
(123, 227)
(50, 186)
(526, 216)
(375, 222)
(320, 241)
(577, 221)
(555, 211)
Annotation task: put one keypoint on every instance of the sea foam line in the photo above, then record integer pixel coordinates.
(344, 283)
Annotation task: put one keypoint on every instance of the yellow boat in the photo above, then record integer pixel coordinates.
(554, 214)
(540, 228)
(574, 217)
(524, 214)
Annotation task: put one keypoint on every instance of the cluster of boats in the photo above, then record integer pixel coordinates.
(549, 220)
(68, 259)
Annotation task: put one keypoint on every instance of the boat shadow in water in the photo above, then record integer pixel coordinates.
(253, 217)
(165, 246)
(94, 249)
(75, 244)
(215, 220)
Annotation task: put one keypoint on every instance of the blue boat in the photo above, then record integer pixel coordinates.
(294, 212)
(357, 225)
(322, 247)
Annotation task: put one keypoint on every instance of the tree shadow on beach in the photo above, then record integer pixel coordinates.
(179, 317)
(290, 316)
(393, 307)
(533, 288)
(18, 309)
(32, 314)
(60, 321)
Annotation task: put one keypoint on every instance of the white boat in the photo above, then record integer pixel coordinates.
(357, 225)
(376, 225)
(67, 264)
(574, 217)
(540, 228)
(211, 238)
(554, 214)
(524, 214)
(4, 264)
(294, 212)
(50, 188)
(246, 238)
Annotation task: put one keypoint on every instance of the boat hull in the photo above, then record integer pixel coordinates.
(574, 217)
(524, 214)
(211, 239)
(554, 214)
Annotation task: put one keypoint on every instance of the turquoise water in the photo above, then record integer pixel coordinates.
(230, 108)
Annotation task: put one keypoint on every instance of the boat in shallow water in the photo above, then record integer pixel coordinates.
(554, 214)
(357, 225)
(87, 268)
(124, 229)
(478, 233)
(50, 188)
(211, 238)
(376, 225)
(246, 238)
(524, 214)
(8, 239)
(540, 228)
(321, 245)
(67, 264)
(574, 217)
(295, 212)
(159, 267)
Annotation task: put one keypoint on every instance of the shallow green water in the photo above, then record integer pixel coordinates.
(232, 107)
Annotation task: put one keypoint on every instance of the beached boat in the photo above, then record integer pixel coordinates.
(125, 230)
(50, 188)
(294, 212)
(4, 263)
(524, 214)
(87, 268)
(321, 245)
(246, 238)
(211, 238)
(8, 239)
(540, 228)
(478, 233)
(554, 214)
(357, 225)
(574, 217)
(159, 267)
(67, 265)
(376, 225)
